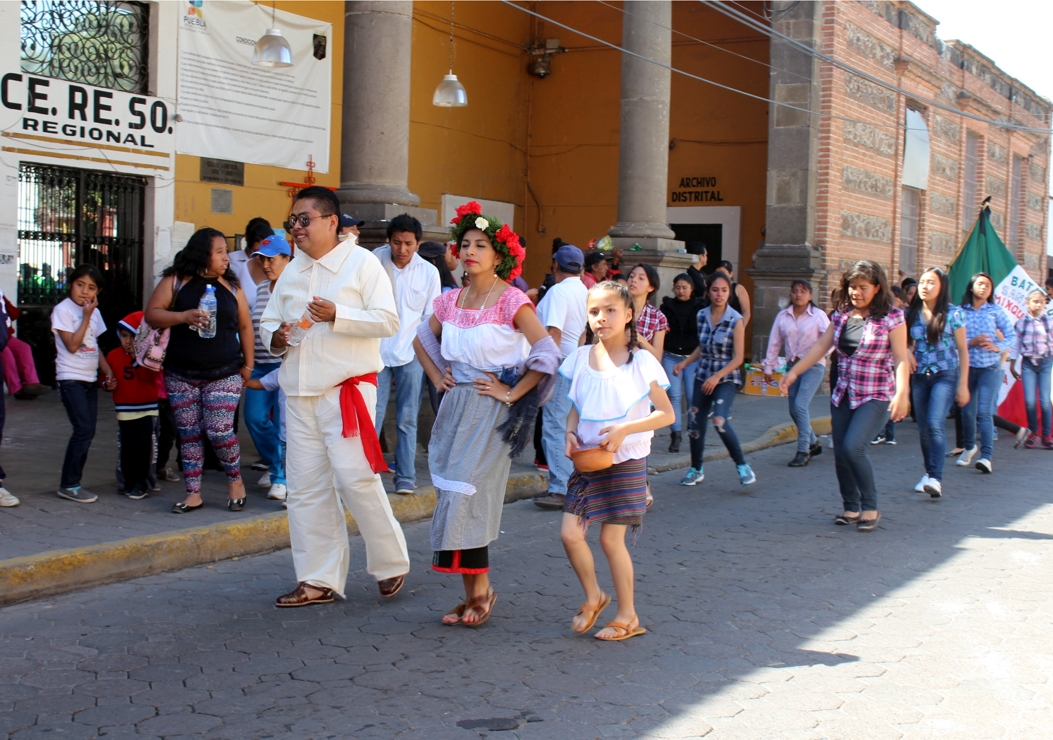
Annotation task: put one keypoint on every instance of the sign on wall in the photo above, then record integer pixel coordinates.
(230, 108)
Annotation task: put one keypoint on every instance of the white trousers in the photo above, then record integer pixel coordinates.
(325, 470)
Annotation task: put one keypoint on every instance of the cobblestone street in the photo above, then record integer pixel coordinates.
(765, 620)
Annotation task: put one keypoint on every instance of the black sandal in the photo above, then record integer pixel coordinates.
(842, 519)
(235, 504)
(182, 508)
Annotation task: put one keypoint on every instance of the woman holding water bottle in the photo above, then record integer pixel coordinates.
(210, 353)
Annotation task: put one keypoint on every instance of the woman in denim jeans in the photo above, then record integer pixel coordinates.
(1034, 347)
(989, 333)
(681, 311)
(721, 347)
(873, 381)
(941, 370)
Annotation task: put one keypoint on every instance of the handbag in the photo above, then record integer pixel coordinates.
(151, 343)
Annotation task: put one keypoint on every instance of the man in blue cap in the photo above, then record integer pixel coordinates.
(348, 225)
(563, 312)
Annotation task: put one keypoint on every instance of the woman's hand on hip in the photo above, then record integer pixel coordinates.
(491, 386)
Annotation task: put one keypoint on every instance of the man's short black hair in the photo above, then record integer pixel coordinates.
(405, 222)
(695, 247)
(325, 200)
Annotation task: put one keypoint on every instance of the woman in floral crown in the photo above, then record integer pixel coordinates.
(485, 347)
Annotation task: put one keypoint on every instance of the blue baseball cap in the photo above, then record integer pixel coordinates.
(569, 258)
(347, 219)
(272, 246)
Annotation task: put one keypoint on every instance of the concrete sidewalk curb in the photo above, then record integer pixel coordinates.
(60, 571)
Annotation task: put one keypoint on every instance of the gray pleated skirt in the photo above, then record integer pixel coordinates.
(469, 469)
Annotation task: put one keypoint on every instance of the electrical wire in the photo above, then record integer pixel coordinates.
(772, 33)
(702, 41)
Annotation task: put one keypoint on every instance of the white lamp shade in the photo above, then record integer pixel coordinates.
(450, 93)
(272, 50)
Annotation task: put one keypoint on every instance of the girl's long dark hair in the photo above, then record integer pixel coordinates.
(807, 285)
(967, 299)
(192, 260)
(939, 312)
(874, 274)
(652, 278)
(622, 292)
(446, 279)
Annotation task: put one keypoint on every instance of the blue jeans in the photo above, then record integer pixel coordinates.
(983, 390)
(679, 386)
(409, 379)
(263, 418)
(1035, 372)
(720, 403)
(933, 396)
(554, 436)
(81, 400)
(853, 430)
(801, 393)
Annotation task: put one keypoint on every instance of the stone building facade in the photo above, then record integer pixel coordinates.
(836, 186)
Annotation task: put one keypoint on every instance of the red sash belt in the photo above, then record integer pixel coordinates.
(355, 415)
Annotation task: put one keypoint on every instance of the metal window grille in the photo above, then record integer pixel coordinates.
(1017, 194)
(970, 195)
(68, 217)
(908, 231)
(97, 42)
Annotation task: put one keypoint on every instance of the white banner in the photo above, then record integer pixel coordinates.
(1011, 294)
(230, 108)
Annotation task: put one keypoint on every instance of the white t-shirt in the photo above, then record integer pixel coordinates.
(563, 307)
(239, 263)
(84, 363)
(613, 396)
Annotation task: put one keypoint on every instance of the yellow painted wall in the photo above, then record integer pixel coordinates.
(262, 195)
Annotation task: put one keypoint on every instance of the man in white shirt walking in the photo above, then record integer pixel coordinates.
(329, 379)
(562, 311)
(416, 285)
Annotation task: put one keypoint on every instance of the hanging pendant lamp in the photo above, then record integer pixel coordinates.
(272, 49)
(450, 93)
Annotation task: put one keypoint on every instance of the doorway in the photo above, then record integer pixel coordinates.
(68, 217)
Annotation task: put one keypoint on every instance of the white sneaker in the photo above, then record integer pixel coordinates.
(277, 492)
(265, 481)
(7, 498)
(965, 459)
(920, 488)
(984, 465)
(934, 488)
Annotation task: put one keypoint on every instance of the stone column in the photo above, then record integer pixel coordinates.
(374, 156)
(643, 151)
(789, 250)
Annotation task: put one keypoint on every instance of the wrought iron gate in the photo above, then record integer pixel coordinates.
(67, 217)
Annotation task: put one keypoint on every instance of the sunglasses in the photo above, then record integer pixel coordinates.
(303, 220)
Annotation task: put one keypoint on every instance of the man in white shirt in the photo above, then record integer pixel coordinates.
(563, 312)
(329, 380)
(416, 285)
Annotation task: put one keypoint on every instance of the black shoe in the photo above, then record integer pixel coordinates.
(800, 460)
(235, 504)
(816, 450)
(550, 501)
(674, 441)
(181, 508)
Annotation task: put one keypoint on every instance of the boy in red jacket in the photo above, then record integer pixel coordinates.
(135, 398)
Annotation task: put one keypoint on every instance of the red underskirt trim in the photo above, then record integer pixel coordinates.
(465, 571)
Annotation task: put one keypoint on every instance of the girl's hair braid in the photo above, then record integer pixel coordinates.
(634, 340)
(622, 292)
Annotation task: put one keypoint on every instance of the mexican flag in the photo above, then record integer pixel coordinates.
(984, 251)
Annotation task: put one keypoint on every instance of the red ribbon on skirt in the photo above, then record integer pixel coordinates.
(357, 421)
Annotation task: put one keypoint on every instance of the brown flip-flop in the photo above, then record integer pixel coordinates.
(457, 611)
(478, 603)
(623, 630)
(591, 612)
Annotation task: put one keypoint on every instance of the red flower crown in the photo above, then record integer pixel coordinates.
(506, 242)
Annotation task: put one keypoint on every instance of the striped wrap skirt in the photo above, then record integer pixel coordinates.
(617, 495)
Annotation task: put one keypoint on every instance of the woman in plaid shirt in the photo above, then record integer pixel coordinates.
(1034, 347)
(721, 348)
(873, 382)
(651, 324)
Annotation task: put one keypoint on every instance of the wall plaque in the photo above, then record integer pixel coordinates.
(222, 170)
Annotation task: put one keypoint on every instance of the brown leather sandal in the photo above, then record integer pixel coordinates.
(622, 631)
(482, 604)
(300, 597)
(591, 612)
(457, 611)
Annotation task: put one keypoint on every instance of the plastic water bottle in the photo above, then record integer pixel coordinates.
(300, 328)
(208, 305)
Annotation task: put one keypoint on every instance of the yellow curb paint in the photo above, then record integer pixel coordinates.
(60, 571)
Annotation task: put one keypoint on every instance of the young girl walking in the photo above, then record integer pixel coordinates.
(936, 334)
(613, 387)
(1034, 347)
(721, 348)
(873, 381)
(77, 325)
